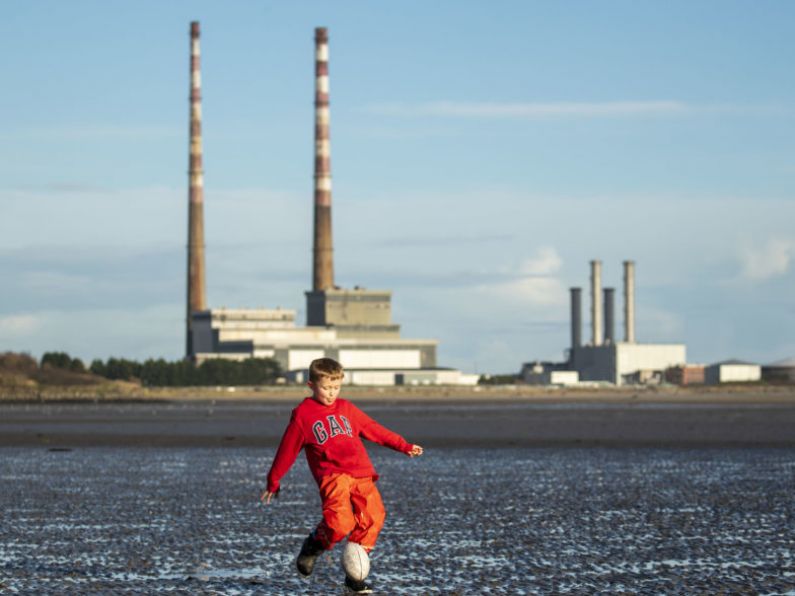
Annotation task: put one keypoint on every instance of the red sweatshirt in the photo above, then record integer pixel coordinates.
(330, 436)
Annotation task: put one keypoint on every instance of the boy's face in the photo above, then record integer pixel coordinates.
(326, 389)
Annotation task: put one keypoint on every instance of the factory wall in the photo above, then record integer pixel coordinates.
(776, 373)
(203, 338)
(302, 358)
(436, 377)
(689, 374)
(386, 358)
(441, 376)
(632, 359)
(625, 363)
(350, 307)
(271, 333)
(732, 373)
(596, 363)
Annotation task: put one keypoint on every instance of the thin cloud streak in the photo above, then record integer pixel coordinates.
(420, 241)
(533, 110)
(91, 132)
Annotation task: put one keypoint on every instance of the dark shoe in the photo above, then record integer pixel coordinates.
(310, 550)
(357, 587)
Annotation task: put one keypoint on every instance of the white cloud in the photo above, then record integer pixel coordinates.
(545, 262)
(540, 291)
(772, 259)
(18, 325)
(532, 110)
(533, 281)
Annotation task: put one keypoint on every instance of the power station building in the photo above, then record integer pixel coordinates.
(238, 334)
(353, 326)
(605, 359)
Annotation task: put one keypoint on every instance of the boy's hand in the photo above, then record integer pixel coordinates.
(416, 451)
(267, 496)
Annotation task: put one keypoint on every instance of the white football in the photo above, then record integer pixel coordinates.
(355, 561)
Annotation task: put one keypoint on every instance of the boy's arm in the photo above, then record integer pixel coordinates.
(290, 446)
(372, 431)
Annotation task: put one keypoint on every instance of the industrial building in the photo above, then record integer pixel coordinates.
(353, 326)
(732, 371)
(688, 374)
(782, 371)
(238, 334)
(549, 373)
(605, 359)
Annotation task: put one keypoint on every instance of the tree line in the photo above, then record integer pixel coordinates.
(179, 373)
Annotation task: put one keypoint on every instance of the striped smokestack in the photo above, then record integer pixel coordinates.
(197, 299)
(323, 261)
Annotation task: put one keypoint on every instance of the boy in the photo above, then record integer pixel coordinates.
(328, 428)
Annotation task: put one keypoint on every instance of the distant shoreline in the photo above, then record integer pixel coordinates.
(130, 393)
(498, 419)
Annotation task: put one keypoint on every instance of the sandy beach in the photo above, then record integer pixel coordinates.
(597, 493)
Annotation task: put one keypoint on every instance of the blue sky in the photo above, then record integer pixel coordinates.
(482, 154)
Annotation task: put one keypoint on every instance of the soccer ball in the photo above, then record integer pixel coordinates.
(355, 561)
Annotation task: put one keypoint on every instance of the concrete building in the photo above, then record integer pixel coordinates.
(238, 334)
(621, 363)
(353, 313)
(688, 374)
(732, 371)
(548, 373)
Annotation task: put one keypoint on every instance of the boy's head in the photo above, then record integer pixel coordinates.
(325, 380)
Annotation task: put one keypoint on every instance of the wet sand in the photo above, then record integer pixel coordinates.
(719, 420)
(110, 520)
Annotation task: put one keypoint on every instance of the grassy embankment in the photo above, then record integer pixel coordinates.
(21, 378)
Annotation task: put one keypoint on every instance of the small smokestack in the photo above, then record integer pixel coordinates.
(576, 317)
(629, 302)
(323, 260)
(596, 303)
(610, 305)
(197, 298)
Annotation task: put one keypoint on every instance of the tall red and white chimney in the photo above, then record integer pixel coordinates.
(197, 298)
(323, 258)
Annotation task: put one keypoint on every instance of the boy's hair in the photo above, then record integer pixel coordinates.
(325, 367)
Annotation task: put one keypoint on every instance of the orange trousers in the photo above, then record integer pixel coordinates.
(350, 506)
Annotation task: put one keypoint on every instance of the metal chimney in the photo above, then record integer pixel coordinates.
(323, 260)
(610, 305)
(596, 303)
(576, 317)
(629, 302)
(197, 298)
